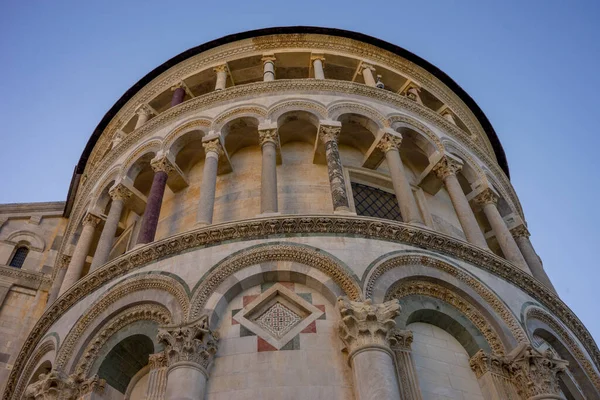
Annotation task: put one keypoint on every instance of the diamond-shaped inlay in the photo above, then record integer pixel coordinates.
(278, 320)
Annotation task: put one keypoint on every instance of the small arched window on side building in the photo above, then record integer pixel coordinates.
(18, 258)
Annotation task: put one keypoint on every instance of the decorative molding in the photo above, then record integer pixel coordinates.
(289, 225)
(29, 279)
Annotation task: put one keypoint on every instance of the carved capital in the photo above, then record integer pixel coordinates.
(520, 231)
(192, 342)
(400, 339)
(145, 109)
(120, 192)
(268, 135)
(535, 373)
(364, 66)
(268, 58)
(328, 133)
(365, 324)
(158, 360)
(92, 385)
(317, 56)
(447, 166)
(91, 219)
(53, 386)
(220, 68)
(213, 146)
(63, 261)
(178, 85)
(486, 197)
(389, 142)
(162, 164)
(482, 363)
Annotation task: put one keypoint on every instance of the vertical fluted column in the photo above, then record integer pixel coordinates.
(221, 71)
(268, 68)
(329, 134)
(119, 193)
(389, 144)
(190, 349)
(488, 199)
(178, 94)
(521, 235)
(62, 266)
(162, 168)
(213, 149)
(364, 328)
(75, 268)
(446, 170)
(144, 112)
(317, 61)
(269, 141)
(400, 343)
(367, 73)
(157, 377)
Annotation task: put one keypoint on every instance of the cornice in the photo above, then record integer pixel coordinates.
(29, 279)
(301, 225)
(50, 207)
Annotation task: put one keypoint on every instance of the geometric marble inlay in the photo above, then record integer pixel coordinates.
(277, 315)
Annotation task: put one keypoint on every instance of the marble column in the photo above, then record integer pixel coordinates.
(213, 150)
(317, 61)
(446, 169)
(62, 264)
(364, 328)
(521, 235)
(488, 199)
(268, 68)
(400, 343)
(82, 249)
(157, 377)
(269, 141)
(119, 194)
(390, 144)
(162, 168)
(535, 374)
(221, 71)
(329, 134)
(190, 349)
(367, 73)
(178, 94)
(492, 377)
(144, 112)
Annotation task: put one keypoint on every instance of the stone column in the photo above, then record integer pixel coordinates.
(162, 167)
(389, 144)
(367, 73)
(75, 268)
(488, 199)
(535, 374)
(400, 343)
(318, 61)
(178, 94)
(268, 68)
(92, 388)
(119, 193)
(144, 112)
(492, 377)
(221, 71)
(62, 266)
(190, 350)
(213, 149)
(448, 117)
(269, 141)
(446, 170)
(521, 235)
(364, 328)
(329, 135)
(157, 377)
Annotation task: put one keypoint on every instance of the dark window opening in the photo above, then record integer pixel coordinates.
(19, 257)
(373, 202)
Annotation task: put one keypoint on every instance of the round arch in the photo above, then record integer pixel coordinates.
(398, 121)
(141, 155)
(245, 110)
(30, 239)
(314, 108)
(337, 109)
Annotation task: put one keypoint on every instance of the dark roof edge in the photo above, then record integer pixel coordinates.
(432, 69)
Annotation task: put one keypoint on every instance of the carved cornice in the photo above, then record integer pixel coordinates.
(30, 279)
(364, 324)
(289, 225)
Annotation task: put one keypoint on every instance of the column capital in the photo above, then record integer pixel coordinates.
(364, 66)
(268, 58)
(487, 196)
(520, 231)
(189, 343)
(221, 68)
(317, 56)
(145, 109)
(212, 144)
(53, 386)
(390, 140)
(482, 363)
(266, 135)
(92, 385)
(535, 373)
(64, 261)
(91, 219)
(157, 360)
(162, 163)
(447, 166)
(120, 192)
(329, 131)
(179, 85)
(364, 324)
(400, 339)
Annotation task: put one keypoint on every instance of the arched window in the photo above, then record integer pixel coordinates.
(19, 257)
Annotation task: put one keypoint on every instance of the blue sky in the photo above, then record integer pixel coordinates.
(532, 66)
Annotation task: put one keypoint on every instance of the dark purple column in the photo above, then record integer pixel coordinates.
(150, 220)
(178, 95)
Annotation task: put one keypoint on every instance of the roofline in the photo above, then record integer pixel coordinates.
(432, 69)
